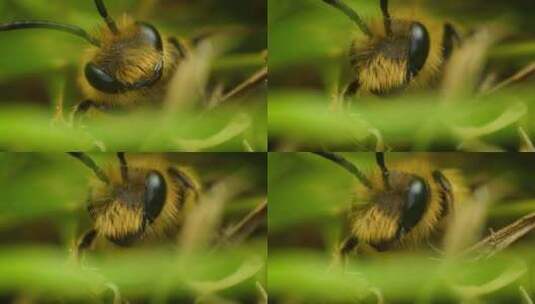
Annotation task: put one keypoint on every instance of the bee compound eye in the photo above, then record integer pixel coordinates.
(416, 203)
(101, 80)
(155, 194)
(419, 43)
(151, 35)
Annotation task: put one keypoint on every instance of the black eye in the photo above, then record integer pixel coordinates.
(418, 49)
(416, 204)
(155, 193)
(151, 34)
(101, 80)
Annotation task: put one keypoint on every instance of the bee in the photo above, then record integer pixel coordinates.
(401, 207)
(129, 62)
(143, 200)
(396, 52)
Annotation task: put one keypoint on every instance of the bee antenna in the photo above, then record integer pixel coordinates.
(386, 17)
(351, 13)
(124, 166)
(380, 157)
(86, 160)
(341, 161)
(30, 24)
(104, 14)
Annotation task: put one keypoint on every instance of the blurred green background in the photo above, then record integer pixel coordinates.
(309, 198)
(309, 43)
(43, 213)
(38, 70)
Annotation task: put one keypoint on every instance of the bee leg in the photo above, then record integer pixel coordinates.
(85, 242)
(83, 107)
(450, 39)
(348, 91)
(352, 89)
(348, 245)
(87, 104)
(344, 249)
(180, 47)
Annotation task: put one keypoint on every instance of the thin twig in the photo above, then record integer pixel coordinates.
(501, 239)
(520, 75)
(257, 78)
(246, 225)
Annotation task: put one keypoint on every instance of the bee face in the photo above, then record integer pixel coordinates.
(387, 62)
(397, 53)
(401, 207)
(146, 199)
(405, 206)
(393, 208)
(128, 64)
(116, 66)
(123, 210)
(406, 200)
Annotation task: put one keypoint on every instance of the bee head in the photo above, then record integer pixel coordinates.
(395, 208)
(398, 208)
(125, 201)
(386, 62)
(126, 56)
(391, 53)
(399, 202)
(130, 56)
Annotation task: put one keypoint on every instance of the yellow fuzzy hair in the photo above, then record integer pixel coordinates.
(127, 220)
(382, 74)
(370, 225)
(135, 64)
